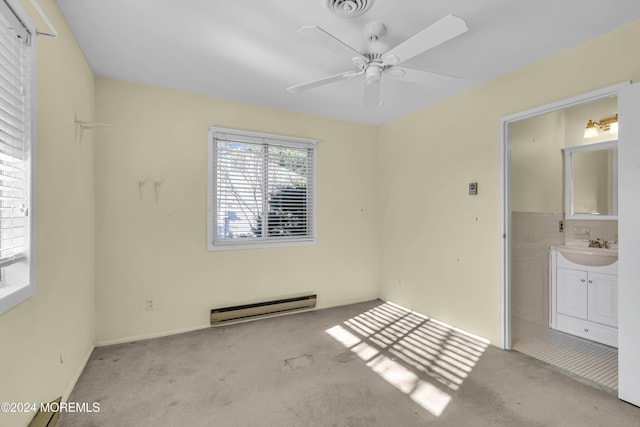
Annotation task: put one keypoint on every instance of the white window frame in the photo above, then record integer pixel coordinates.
(215, 133)
(12, 294)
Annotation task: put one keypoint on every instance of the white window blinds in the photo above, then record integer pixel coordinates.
(14, 136)
(263, 188)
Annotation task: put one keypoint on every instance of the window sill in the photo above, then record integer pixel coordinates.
(235, 245)
(10, 296)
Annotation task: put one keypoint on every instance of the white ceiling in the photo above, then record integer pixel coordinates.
(249, 50)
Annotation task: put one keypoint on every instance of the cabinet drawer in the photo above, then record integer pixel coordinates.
(600, 333)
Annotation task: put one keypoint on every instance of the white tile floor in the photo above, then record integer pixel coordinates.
(587, 359)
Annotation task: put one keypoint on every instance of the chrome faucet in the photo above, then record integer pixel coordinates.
(598, 243)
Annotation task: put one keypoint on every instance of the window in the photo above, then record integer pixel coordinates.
(261, 189)
(16, 152)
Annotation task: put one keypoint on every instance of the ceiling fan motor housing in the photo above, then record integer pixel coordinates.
(349, 8)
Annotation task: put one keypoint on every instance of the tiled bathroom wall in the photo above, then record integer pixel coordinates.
(531, 235)
(587, 229)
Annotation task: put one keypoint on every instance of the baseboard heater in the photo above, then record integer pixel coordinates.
(240, 312)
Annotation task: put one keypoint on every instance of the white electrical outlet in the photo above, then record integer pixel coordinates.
(150, 304)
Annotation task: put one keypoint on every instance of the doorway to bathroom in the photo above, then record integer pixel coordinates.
(534, 220)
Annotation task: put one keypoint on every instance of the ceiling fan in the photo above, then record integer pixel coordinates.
(378, 59)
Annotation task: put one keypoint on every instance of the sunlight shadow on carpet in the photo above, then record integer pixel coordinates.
(422, 357)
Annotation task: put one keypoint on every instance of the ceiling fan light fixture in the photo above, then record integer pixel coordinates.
(372, 74)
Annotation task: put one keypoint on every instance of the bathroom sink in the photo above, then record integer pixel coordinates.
(588, 256)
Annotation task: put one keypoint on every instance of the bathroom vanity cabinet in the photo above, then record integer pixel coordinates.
(584, 299)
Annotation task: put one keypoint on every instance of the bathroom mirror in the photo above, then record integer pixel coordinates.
(591, 181)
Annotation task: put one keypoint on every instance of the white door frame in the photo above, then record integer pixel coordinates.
(505, 194)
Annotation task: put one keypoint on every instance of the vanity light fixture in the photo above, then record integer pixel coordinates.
(591, 131)
(605, 125)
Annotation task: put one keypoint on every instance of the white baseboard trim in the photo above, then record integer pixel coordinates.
(129, 339)
(149, 336)
(76, 377)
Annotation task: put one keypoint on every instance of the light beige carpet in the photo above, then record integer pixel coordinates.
(367, 364)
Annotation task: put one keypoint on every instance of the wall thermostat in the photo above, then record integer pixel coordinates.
(473, 188)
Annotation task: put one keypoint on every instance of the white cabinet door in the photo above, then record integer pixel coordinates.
(572, 293)
(603, 299)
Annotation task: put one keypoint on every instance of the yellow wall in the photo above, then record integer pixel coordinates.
(157, 248)
(60, 316)
(441, 247)
(537, 164)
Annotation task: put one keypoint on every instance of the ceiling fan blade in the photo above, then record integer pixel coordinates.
(418, 76)
(445, 29)
(323, 81)
(372, 95)
(320, 36)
